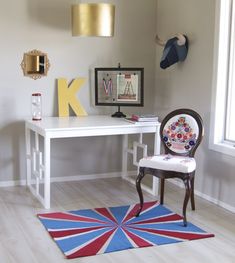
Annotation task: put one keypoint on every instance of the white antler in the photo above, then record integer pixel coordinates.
(159, 41)
(181, 40)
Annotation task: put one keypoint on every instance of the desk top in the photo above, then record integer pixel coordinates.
(88, 124)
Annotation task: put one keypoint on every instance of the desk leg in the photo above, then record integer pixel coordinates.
(157, 146)
(47, 169)
(124, 155)
(28, 157)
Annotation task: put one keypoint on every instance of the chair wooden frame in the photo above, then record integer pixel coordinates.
(187, 178)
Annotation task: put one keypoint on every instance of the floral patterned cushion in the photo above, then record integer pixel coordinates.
(180, 133)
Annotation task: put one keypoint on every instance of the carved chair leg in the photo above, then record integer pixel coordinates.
(186, 198)
(192, 193)
(139, 190)
(162, 191)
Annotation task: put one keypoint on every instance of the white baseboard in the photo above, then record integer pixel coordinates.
(65, 178)
(206, 197)
(85, 177)
(12, 183)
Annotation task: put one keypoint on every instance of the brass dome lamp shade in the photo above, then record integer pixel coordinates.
(93, 19)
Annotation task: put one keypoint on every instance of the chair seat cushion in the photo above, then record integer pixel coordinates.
(168, 162)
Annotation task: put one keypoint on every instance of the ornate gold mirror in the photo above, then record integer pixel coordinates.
(35, 64)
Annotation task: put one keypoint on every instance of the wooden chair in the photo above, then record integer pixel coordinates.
(181, 133)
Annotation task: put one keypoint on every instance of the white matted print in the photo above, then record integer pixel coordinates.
(127, 87)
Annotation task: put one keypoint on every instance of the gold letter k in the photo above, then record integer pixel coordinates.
(67, 96)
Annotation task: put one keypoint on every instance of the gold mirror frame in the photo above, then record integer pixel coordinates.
(35, 64)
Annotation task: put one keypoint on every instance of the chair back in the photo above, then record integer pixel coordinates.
(181, 132)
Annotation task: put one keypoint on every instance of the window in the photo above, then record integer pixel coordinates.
(222, 137)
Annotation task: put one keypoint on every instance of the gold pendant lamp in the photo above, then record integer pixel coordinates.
(93, 19)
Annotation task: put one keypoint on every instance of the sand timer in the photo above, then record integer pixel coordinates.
(36, 106)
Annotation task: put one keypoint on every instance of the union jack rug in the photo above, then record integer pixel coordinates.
(102, 230)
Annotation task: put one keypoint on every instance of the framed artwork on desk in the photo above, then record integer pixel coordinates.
(119, 87)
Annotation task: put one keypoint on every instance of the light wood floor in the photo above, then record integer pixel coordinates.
(23, 239)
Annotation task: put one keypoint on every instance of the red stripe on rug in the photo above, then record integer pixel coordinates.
(64, 233)
(66, 216)
(135, 209)
(181, 235)
(105, 212)
(173, 217)
(140, 242)
(92, 248)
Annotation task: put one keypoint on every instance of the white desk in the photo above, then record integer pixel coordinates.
(38, 162)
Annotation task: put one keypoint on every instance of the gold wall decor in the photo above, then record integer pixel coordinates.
(67, 97)
(35, 64)
(93, 19)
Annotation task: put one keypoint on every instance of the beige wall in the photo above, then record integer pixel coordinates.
(189, 84)
(45, 25)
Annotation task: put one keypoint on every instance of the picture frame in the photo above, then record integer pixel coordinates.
(119, 86)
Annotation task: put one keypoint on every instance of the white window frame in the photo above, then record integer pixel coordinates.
(220, 78)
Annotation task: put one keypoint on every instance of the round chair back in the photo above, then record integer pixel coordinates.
(181, 132)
